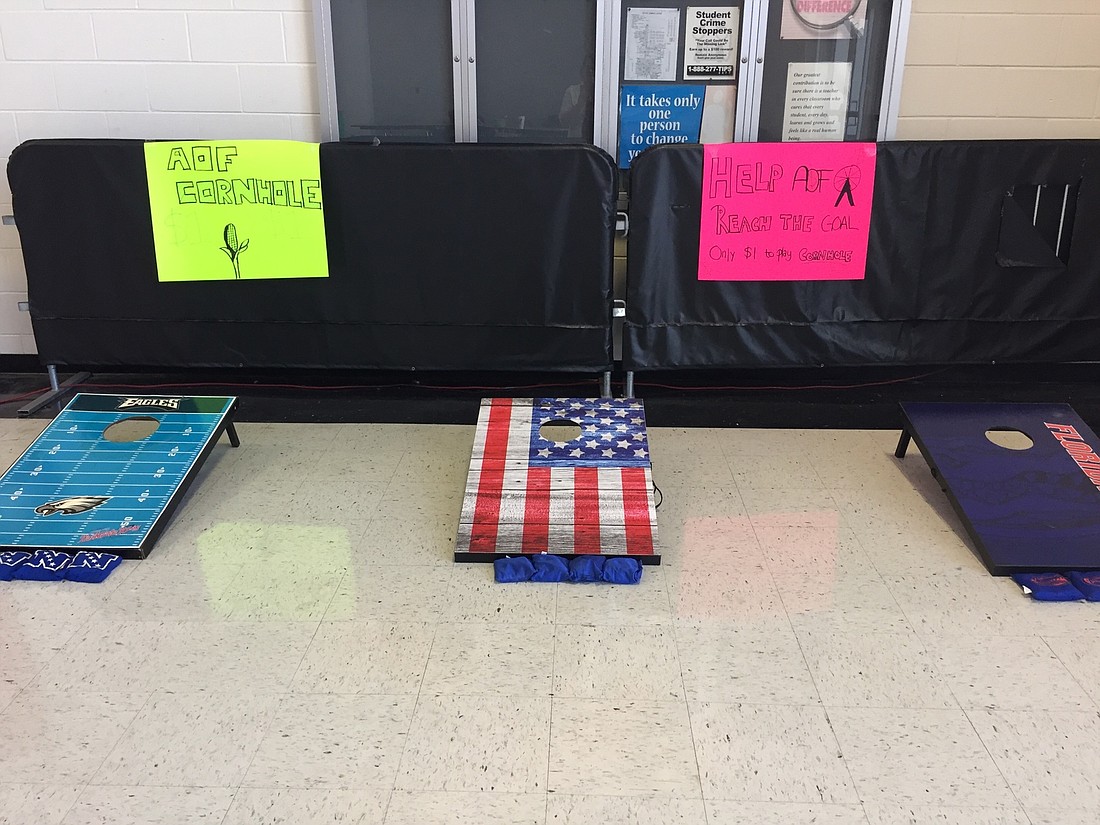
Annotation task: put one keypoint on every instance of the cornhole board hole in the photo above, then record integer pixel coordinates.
(566, 476)
(108, 472)
(1024, 478)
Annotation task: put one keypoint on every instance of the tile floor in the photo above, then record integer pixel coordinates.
(820, 645)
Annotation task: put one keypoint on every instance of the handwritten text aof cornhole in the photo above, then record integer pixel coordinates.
(785, 211)
(236, 210)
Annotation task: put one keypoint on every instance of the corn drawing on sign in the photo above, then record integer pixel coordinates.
(233, 249)
(209, 198)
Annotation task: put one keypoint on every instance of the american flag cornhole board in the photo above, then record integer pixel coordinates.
(526, 494)
(74, 489)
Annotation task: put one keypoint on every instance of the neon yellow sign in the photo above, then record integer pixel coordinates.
(236, 210)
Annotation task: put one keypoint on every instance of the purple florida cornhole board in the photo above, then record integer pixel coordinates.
(1026, 510)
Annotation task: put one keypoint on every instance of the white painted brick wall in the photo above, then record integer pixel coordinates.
(978, 69)
(237, 36)
(27, 86)
(53, 35)
(141, 35)
(9, 139)
(100, 86)
(146, 69)
(193, 87)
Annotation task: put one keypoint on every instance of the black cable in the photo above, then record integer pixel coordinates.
(661, 500)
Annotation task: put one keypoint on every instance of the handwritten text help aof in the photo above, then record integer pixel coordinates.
(785, 211)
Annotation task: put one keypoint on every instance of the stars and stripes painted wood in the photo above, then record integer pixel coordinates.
(527, 493)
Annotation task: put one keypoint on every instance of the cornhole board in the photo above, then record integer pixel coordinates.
(75, 489)
(1034, 509)
(526, 494)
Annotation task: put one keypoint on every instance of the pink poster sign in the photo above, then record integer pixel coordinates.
(786, 211)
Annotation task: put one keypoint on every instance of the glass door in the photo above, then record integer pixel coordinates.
(394, 70)
(440, 71)
(535, 70)
(824, 70)
(622, 74)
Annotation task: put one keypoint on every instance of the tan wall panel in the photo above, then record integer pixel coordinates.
(1005, 6)
(989, 69)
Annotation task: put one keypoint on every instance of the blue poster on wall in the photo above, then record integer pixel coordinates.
(654, 115)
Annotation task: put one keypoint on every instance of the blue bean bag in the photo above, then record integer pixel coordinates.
(9, 561)
(513, 569)
(549, 568)
(622, 571)
(43, 566)
(1087, 583)
(1048, 587)
(90, 567)
(586, 568)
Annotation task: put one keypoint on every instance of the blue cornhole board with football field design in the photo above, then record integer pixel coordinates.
(76, 489)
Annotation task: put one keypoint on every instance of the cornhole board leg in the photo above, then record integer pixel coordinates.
(903, 444)
(77, 488)
(903, 447)
(526, 494)
(1025, 510)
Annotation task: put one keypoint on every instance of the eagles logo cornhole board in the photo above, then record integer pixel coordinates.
(78, 487)
(1028, 509)
(529, 493)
